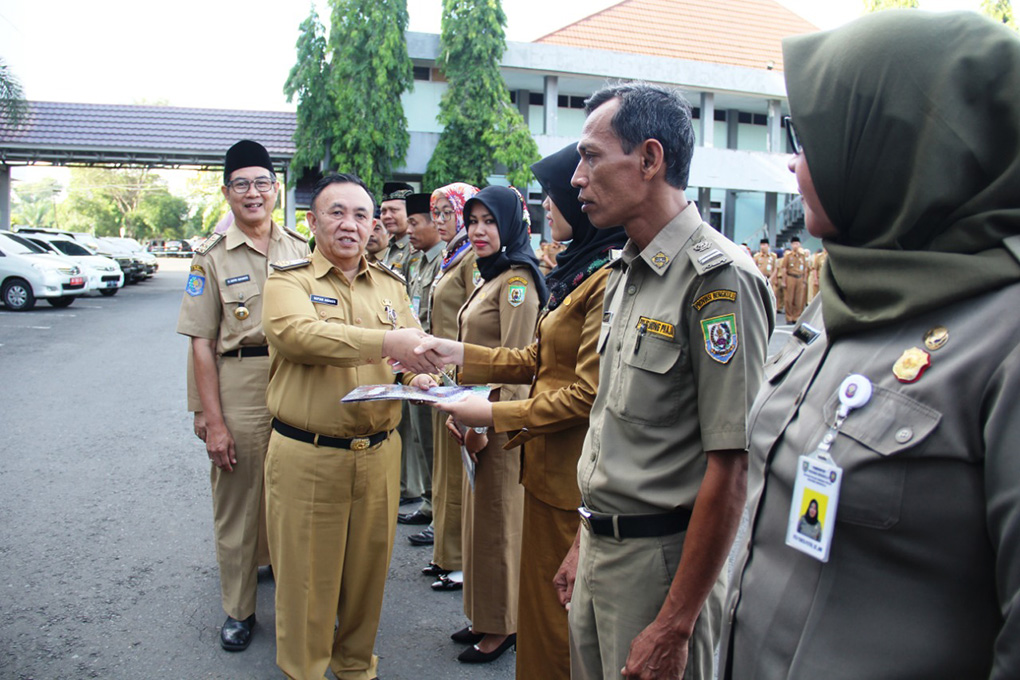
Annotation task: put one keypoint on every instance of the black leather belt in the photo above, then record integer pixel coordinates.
(635, 526)
(794, 276)
(354, 443)
(250, 351)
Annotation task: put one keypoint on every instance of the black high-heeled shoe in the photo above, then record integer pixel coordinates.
(473, 655)
(466, 636)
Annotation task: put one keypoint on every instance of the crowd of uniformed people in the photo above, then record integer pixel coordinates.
(586, 508)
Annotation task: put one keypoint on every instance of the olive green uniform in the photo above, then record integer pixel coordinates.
(227, 279)
(399, 255)
(331, 511)
(684, 336)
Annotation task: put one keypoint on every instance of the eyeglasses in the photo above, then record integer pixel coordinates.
(262, 184)
(443, 216)
(791, 136)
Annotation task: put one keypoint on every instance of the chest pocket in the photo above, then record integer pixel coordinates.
(246, 294)
(874, 448)
(649, 382)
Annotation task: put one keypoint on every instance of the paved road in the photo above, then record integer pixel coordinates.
(107, 565)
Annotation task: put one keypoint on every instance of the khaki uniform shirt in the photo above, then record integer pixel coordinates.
(766, 264)
(683, 340)
(421, 276)
(450, 291)
(563, 367)
(923, 577)
(398, 255)
(325, 336)
(794, 264)
(229, 275)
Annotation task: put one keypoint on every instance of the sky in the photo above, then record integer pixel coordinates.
(217, 54)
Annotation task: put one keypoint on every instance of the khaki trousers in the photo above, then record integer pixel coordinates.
(447, 496)
(332, 518)
(796, 295)
(239, 507)
(620, 588)
(543, 645)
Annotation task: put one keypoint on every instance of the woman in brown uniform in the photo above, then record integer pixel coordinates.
(552, 422)
(501, 312)
(457, 278)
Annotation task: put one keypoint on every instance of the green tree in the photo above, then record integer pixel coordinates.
(309, 81)
(480, 125)
(35, 203)
(369, 71)
(999, 10)
(879, 5)
(13, 108)
(128, 202)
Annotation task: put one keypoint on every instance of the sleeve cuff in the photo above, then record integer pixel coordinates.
(508, 416)
(370, 342)
(477, 368)
(733, 440)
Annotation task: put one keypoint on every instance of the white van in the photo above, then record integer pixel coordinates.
(27, 274)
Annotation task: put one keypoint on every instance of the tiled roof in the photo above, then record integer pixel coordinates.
(730, 32)
(65, 132)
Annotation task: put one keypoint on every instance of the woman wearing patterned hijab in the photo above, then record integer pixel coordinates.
(562, 367)
(457, 278)
(905, 369)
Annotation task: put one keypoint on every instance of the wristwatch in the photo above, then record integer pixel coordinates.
(480, 430)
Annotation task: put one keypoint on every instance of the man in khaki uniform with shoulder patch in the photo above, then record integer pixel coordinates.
(393, 217)
(333, 469)
(793, 269)
(663, 469)
(222, 313)
(766, 261)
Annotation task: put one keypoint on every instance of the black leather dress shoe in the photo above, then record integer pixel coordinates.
(466, 637)
(235, 636)
(444, 582)
(472, 655)
(416, 517)
(408, 501)
(426, 537)
(434, 570)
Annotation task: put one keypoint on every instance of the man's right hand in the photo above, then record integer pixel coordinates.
(220, 446)
(399, 346)
(441, 352)
(567, 573)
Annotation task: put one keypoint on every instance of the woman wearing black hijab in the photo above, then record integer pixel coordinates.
(553, 421)
(904, 371)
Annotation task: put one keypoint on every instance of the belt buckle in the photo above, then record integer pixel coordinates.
(360, 443)
(585, 517)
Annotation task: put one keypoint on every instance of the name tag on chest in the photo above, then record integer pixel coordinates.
(238, 279)
(323, 300)
(659, 328)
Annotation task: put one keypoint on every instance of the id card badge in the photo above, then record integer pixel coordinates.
(815, 499)
(416, 304)
(813, 510)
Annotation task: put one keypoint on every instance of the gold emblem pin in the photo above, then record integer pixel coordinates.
(660, 260)
(911, 365)
(241, 313)
(936, 338)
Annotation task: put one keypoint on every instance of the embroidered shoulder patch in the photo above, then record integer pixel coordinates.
(720, 337)
(476, 276)
(195, 285)
(286, 265)
(517, 289)
(207, 244)
(730, 295)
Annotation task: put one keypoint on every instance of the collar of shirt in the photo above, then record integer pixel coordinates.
(321, 266)
(235, 237)
(663, 249)
(400, 243)
(433, 252)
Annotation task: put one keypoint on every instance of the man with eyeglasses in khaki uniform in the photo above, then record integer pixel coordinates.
(222, 314)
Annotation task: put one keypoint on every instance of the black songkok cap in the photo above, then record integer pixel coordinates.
(396, 191)
(419, 204)
(764, 240)
(246, 154)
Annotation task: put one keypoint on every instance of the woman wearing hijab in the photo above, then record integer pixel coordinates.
(904, 374)
(562, 367)
(501, 312)
(809, 525)
(458, 276)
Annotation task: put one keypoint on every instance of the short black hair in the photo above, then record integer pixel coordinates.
(340, 178)
(652, 112)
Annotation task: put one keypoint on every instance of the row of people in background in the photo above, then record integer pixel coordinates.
(794, 275)
(644, 404)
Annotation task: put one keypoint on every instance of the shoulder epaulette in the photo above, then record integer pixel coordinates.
(296, 234)
(384, 268)
(707, 255)
(286, 265)
(207, 245)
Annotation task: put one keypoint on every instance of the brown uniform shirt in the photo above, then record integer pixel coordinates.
(450, 292)
(794, 264)
(553, 420)
(766, 264)
(229, 275)
(325, 335)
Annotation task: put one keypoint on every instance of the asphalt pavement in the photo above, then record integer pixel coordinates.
(107, 560)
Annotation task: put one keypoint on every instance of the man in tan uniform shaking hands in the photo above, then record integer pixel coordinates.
(222, 313)
(333, 469)
(662, 473)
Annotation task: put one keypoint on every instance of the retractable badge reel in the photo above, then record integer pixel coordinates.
(816, 488)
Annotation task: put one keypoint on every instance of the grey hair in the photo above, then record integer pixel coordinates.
(652, 112)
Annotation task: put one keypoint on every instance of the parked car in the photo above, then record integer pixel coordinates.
(132, 267)
(138, 251)
(102, 274)
(178, 249)
(28, 272)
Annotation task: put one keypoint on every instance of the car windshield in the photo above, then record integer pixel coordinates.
(70, 248)
(19, 245)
